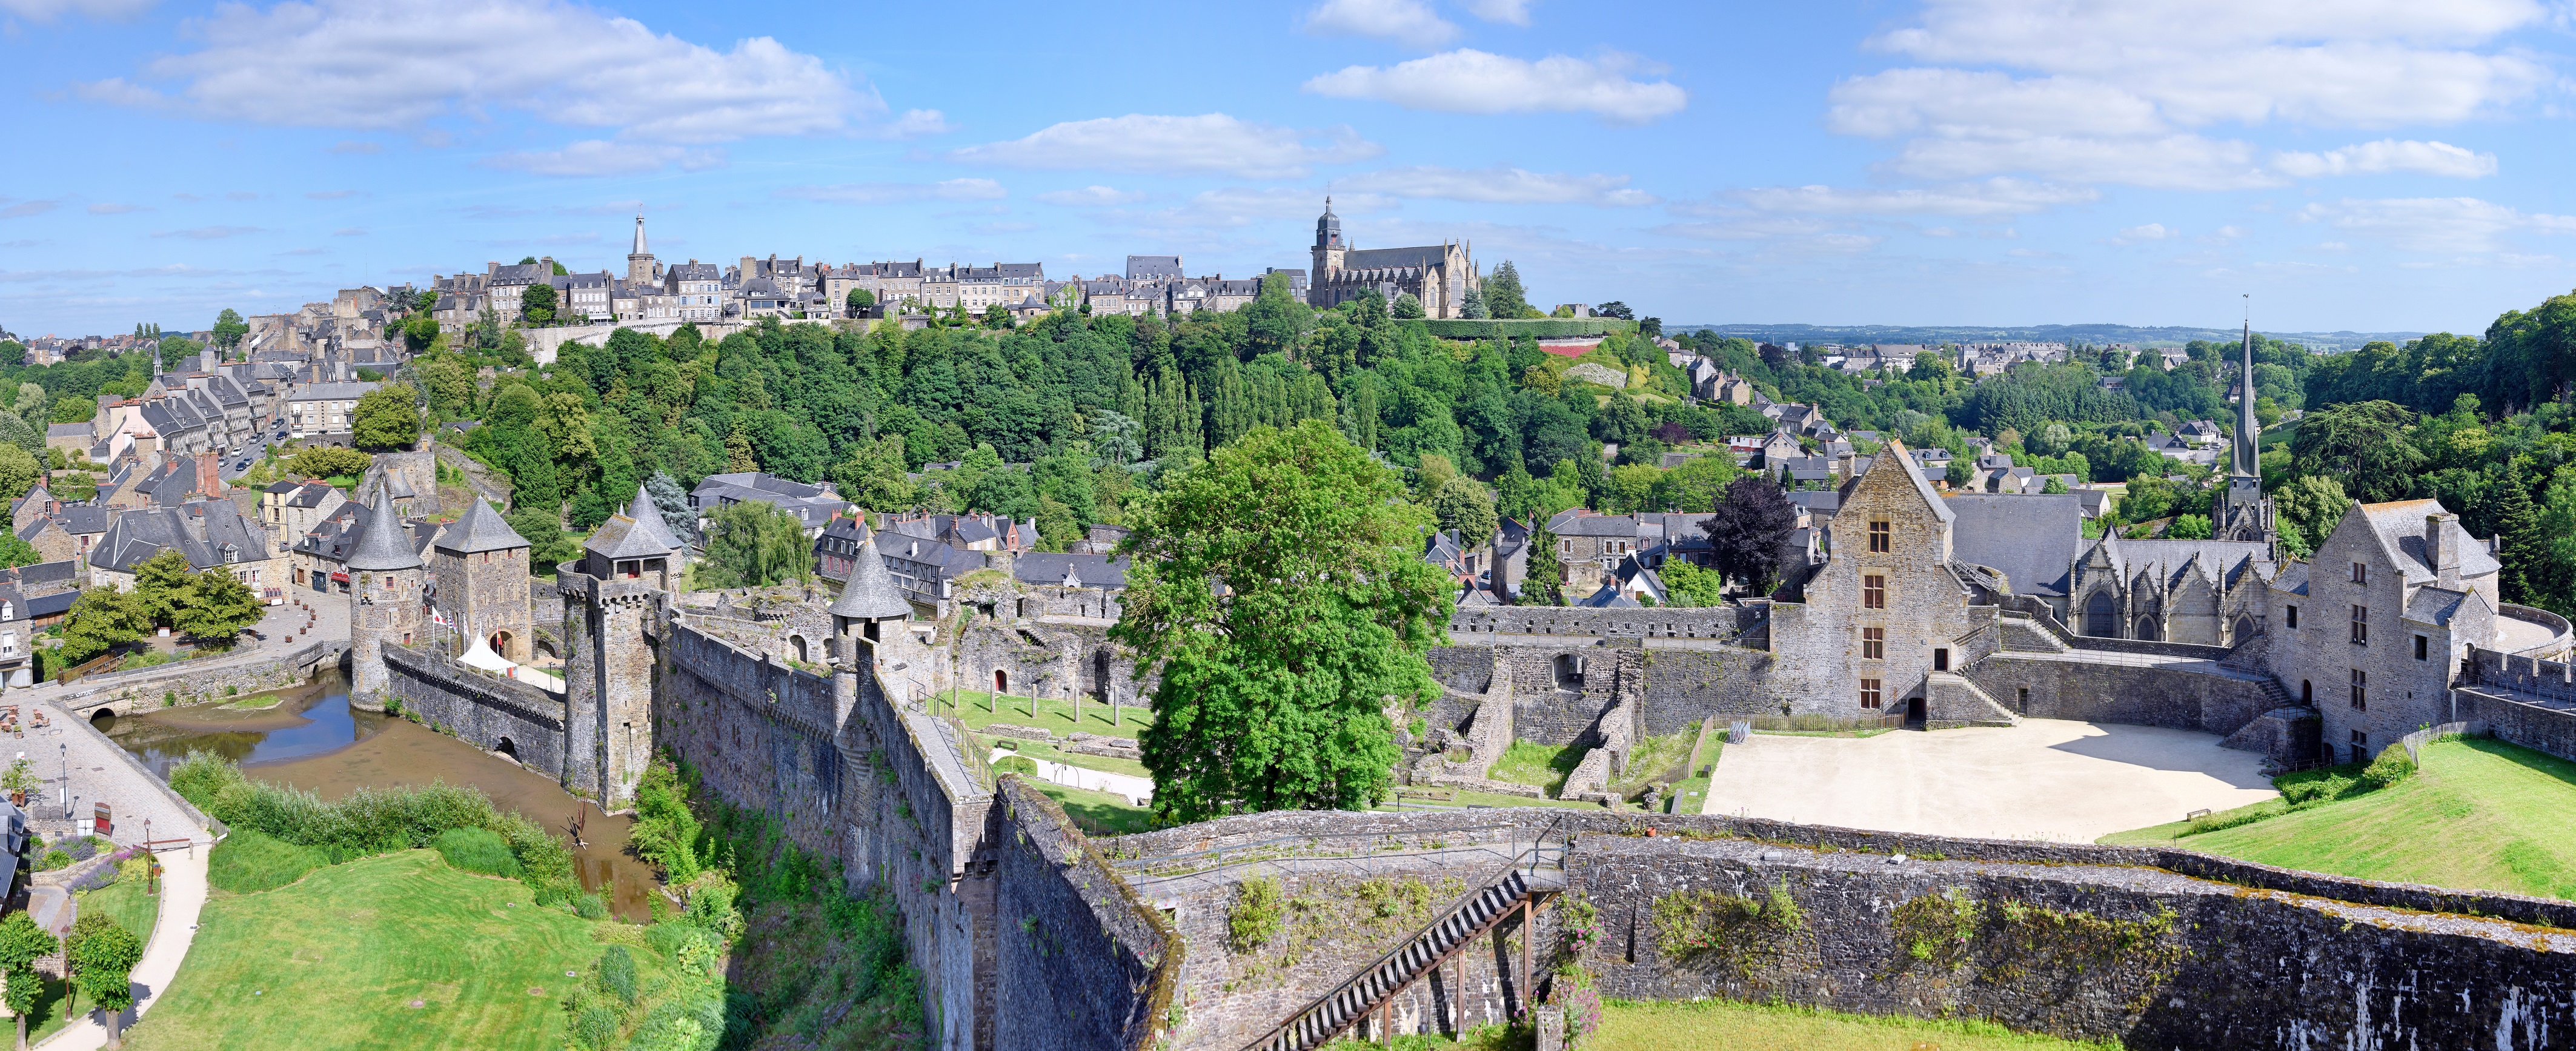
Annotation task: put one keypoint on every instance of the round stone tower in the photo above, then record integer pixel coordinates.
(384, 598)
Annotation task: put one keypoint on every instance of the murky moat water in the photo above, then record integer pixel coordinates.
(313, 740)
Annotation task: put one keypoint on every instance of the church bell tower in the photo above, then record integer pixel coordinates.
(639, 263)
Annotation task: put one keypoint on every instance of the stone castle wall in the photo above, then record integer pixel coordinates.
(2152, 948)
(2179, 695)
(1079, 960)
(486, 711)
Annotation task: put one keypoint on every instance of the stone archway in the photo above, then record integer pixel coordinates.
(796, 646)
(1001, 681)
(507, 747)
(501, 642)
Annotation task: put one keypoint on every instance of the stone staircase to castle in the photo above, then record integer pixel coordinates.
(1376, 986)
(2024, 635)
(1952, 700)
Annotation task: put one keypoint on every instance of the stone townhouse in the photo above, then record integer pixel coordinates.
(505, 285)
(695, 291)
(2375, 626)
(1211, 293)
(67, 531)
(584, 297)
(210, 533)
(1001, 284)
(292, 509)
(324, 408)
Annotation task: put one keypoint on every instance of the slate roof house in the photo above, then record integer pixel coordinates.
(210, 533)
(813, 504)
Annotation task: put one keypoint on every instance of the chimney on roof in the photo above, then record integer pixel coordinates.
(2442, 542)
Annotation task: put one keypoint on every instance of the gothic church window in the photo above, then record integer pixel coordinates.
(2101, 617)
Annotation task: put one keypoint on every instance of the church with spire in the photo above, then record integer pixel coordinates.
(1437, 275)
(2243, 512)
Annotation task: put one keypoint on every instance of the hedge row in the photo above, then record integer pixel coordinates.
(1537, 328)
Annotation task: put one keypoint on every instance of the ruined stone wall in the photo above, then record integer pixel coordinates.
(486, 711)
(2180, 696)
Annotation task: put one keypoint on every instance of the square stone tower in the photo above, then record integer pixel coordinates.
(481, 567)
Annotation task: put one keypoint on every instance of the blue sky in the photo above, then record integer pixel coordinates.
(2354, 164)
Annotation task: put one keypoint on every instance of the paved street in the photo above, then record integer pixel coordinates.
(2045, 779)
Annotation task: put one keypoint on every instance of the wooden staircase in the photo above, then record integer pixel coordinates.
(1538, 874)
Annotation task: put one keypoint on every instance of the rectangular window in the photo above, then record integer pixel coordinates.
(2360, 747)
(1873, 591)
(2361, 625)
(1869, 693)
(1873, 643)
(2360, 573)
(2294, 618)
(1880, 538)
(2419, 647)
(2360, 690)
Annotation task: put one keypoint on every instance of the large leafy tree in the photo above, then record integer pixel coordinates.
(1280, 591)
(104, 968)
(386, 418)
(2306, 510)
(1465, 505)
(1747, 530)
(229, 329)
(2528, 571)
(537, 304)
(162, 582)
(22, 943)
(102, 618)
(218, 608)
(2364, 444)
(755, 544)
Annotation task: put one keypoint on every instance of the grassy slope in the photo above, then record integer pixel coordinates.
(338, 957)
(1719, 1023)
(126, 903)
(2480, 815)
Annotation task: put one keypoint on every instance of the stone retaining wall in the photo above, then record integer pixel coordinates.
(200, 680)
(1080, 960)
(2179, 697)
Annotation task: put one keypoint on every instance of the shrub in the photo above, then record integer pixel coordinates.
(54, 859)
(615, 973)
(712, 907)
(595, 1028)
(477, 850)
(589, 907)
(2391, 767)
(249, 861)
(1255, 915)
(1016, 764)
(665, 833)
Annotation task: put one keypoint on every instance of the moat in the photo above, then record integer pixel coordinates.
(312, 739)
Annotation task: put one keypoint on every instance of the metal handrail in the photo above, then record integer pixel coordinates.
(1219, 853)
(1538, 844)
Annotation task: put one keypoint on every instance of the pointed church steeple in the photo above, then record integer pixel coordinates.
(2244, 463)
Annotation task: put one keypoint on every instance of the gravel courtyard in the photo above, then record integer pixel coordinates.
(2045, 779)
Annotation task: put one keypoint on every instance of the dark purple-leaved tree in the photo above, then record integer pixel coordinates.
(1748, 529)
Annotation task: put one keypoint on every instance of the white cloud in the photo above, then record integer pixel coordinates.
(400, 64)
(1404, 21)
(1092, 197)
(349, 231)
(113, 208)
(1499, 185)
(1207, 144)
(900, 192)
(601, 157)
(1515, 12)
(48, 10)
(208, 233)
(357, 146)
(2120, 93)
(1472, 81)
(2149, 232)
(2175, 162)
(22, 209)
(1993, 198)
(2436, 225)
(1954, 101)
(2390, 155)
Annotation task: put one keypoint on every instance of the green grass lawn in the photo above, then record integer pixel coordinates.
(1050, 753)
(1098, 813)
(337, 958)
(1656, 757)
(1056, 714)
(125, 902)
(2479, 815)
(1631, 1026)
(1531, 763)
(1690, 793)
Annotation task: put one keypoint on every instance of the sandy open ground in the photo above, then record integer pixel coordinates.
(2045, 779)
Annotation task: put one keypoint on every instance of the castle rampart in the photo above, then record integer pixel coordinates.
(486, 711)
